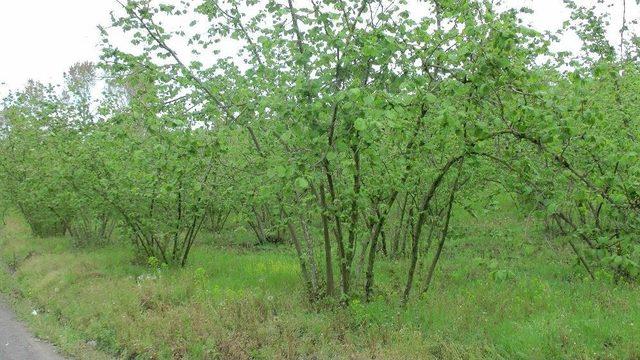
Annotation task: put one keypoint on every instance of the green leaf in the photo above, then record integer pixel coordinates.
(281, 171)
(302, 183)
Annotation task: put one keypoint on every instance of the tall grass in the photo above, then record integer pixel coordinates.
(503, 291)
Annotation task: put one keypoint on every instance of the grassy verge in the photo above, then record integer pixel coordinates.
(45, 325)
(502, 291)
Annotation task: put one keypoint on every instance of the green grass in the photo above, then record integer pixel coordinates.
(502, 290)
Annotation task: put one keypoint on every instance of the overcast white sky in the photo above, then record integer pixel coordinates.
(40, 39)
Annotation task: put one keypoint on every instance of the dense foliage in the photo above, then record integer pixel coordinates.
(350, 129)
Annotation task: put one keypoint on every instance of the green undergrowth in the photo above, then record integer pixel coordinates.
(503, 290)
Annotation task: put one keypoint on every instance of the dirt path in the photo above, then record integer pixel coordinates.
(16, 343)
